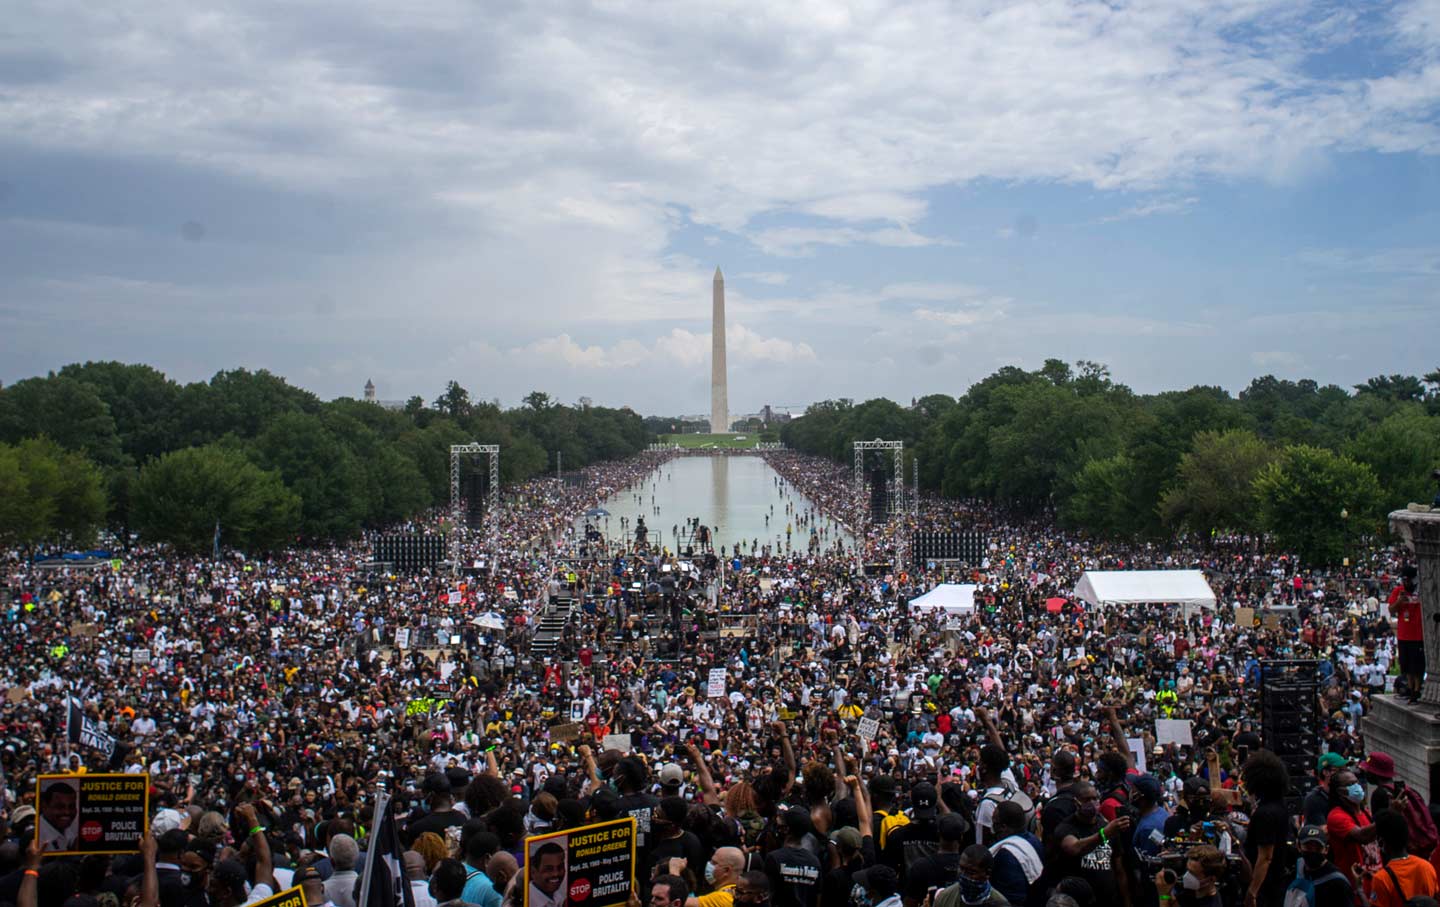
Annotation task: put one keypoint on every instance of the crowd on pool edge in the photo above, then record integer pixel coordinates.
(1013, 756)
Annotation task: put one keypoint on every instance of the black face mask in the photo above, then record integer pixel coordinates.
(1313, 860)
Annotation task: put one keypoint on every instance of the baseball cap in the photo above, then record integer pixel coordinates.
(1312, 833)
(1331, 760)
(1148, 785)
(22, 813)
(672, 775)
(847, 837)
(922, 800)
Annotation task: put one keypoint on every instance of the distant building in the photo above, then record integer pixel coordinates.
(369, 391)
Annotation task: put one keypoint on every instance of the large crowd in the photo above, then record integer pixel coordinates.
(861, 753)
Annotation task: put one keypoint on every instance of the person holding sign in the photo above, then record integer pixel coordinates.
(59, 826)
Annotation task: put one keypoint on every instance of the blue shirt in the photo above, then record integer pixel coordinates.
(479, 889)
(1150, 832)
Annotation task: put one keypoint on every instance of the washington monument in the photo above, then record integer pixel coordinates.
(719, 386)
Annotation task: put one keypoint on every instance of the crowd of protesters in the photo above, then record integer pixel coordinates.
(861, 754)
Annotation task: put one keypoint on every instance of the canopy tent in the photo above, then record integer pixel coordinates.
(952, 598)
(1186, 588)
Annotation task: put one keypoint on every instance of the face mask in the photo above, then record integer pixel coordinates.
(1191, 881)
(1355, 793)
(1313, 860)
(973, 892)
(709, 873)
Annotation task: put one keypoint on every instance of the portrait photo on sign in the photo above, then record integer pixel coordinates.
(546, 869)
(59, 827)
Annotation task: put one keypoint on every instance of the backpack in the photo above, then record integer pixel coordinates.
(889, 823)
(1301, 892)
(1015, 796)
(1423, 835)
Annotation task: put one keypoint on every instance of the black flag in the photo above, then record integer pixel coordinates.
(383, 884)
(81, 730)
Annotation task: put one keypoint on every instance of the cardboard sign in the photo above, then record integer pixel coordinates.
(1173, 730)
(84, 631)
(716, 687)
(1271, 621)
(564, 733)
(85, 814)
(402, 638)
(17, 694)
(592, 866)
(869, 729)
(1245, 617)
(619, 742)
(290, 897)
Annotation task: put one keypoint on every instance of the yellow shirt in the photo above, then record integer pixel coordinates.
(722, 897)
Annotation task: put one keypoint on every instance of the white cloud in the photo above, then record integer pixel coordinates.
(680, 346)
(865, 206)
(769, 278)
(1277, 359)
(1151, 208)
(798, 241)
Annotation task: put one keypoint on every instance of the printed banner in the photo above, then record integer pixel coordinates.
(82, 731)
(593, 866)
(84, 814)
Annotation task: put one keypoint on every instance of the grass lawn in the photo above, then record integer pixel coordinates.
(726, 440)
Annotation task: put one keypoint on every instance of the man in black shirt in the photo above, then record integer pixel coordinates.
(673, 840)
(442, 813)
(919, 838)
(939, 869)
(1332, 889)
(854, 852)
(793, 870)
(630, 775)
(1084, 847)
(1061, 806)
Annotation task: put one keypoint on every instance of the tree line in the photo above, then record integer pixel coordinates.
(121, 445)
(1315, 466)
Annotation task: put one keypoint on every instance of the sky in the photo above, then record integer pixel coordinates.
(903, 197)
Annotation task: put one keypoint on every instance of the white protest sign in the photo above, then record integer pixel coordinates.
(869, 729)
(619, 742)
(1137, 749)
(716, 689)
(402, 638)
(1173, 730)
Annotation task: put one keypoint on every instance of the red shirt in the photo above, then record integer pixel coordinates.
(1345, 853)
(1405, 606)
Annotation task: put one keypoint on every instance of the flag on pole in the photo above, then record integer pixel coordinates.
(81, 730)
(215, 543)
(383, 884)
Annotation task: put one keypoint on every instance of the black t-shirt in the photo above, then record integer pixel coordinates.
(1095, 867)
(794, 877)
(1270, 825)
(687, 846)
(1334, 893)
(1057, 809)
(436, 822)
(909, 843)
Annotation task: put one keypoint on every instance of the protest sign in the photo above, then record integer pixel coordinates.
(869, 729)
(716, 687)
(423, 706)
(1245, 617)
(577, 710)
(290, 897)
(1173, 730)
(402, 638)
(1136, 745)
(619, 742)
(564, 733)
(592, 865)
(85, 814)
(81, 730)
(140, 656)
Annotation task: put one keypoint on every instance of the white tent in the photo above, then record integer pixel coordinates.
(952, 598)
(1186, 588)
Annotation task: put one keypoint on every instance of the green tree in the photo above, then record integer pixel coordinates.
(47, 494)
(1214, 487)
(1312, 499)
(1402, 450)
(67, 411)
(1100, 500)
(318, 466)
(141, 400)
(454, 402)
(180, 497)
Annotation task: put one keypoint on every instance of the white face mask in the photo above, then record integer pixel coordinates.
(1191, 881)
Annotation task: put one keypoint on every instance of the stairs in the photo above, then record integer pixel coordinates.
(552, 626)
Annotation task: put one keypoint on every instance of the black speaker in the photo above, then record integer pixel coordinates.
(477, 495)
(1289, 722)
(879, 497)
(410, 552)
(967, 547)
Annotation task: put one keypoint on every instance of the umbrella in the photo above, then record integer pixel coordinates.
(597, 511)
(489, 621)
(1053, 605)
